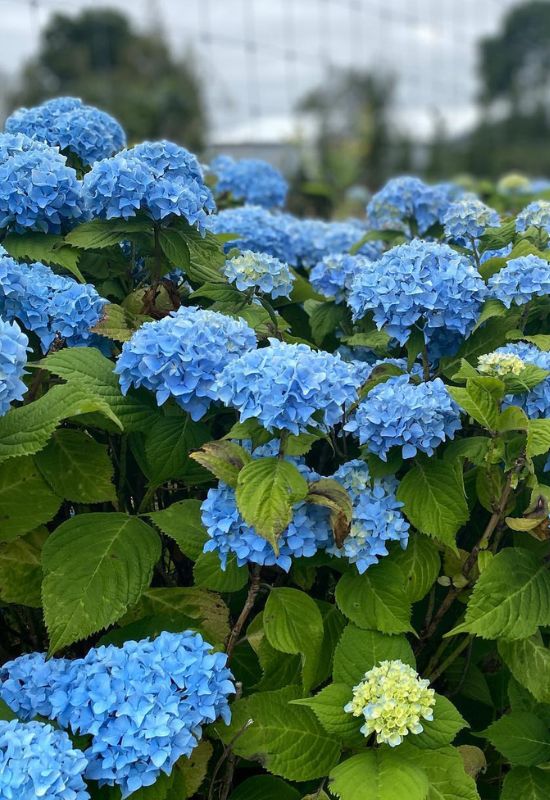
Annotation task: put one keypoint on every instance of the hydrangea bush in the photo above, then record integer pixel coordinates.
(274, 507)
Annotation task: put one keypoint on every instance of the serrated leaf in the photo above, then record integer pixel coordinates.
(288, 739)
(265, 787)
(440, 731)
(378, 774)
(480, 399)
(491, 308)
(167, 448)
(95, 566)
(252, 430)
(529, 662)
(325, 319)
(99, 233)
(182, 522)
(433, 498)
(529, 377)
(526, 783)
(485, 340)
(420, 563)
(522, 738)
(376, 600)
(293, 624)
(224, 459)
(267, 488)
(331, 494)
(21, 569)
(45, 247)
(445, 771)
(26, 500)
(77, 467)
(538, 437)
(360, 650)
(208, 573)
(175, 248)
(328, 707)
(117, 323)
(511, 599)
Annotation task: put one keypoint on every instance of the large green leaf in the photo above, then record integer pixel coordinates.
(420, 563)
(117, 323)
(359, 650)
(328, 707)
(208, 573)
(265, 787)
(538, 437)
(376, 600)
(521, 737)
(434, 499)
(529, 662)
(293, 624)
(182, 522)
(288, 739)
(444, 769)
(26, 500)
(440, 731)
(526, 783)
(45, 247)
(378, 774)
(100, 233)
(167, 447)
(511, 598)
(21, 569)
(267, 488)
(77, 467)
(96, 566)
(480, 399)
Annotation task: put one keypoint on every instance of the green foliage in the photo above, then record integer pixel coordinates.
(378, 775)
(377, 600)
(522, 738)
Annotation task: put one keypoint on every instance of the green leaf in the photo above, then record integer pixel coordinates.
(491, 308)
(301, 443)
(96, 566)
(250, 429)
(512, 419)
(420, 563)
(77, 467)
(26, 500)
(378, 774)
(526, 783)
(445, 772)
(293, 624)
(267, 488)
(447, 722)
(45, 247)
(541, 340)
(21, 569)
(328, 707)
(538, 437)
(208, 573)
(484, 340)
(167, 448)
(224, 459)
(376, 600)
(375, 340)
(182, 522)
(332, 495)
(117, 323)
(433, 498)
(473, 449)
(288, 739)
(359, 650)
(265, 787)
(511, 599)
(528, 378)
(529, 662)
(480, 399)
(324, 319)
(522, 738)
(174, 248)
(104, 233)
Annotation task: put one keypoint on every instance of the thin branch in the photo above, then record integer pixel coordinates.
(253, 590)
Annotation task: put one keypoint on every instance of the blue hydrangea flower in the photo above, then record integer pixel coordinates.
(502, 252)
(534, 215)
(181, 355)
(407, 199)
(159, 178)
(535, 402)
(13, 358)
(13, 143)
(520, 280)
(51, 306)
(67, 123)
(313, 239)
(143, 704)
(468, 219)
(30, 684)
(419, 283)
(250, 179)
(38, 191)
(414, 417)
(288, 386)
(333, 275)
(260, 271)
(38, 761)
(256, 229)
(376, 519)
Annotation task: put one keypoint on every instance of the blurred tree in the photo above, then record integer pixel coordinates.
(99, 57)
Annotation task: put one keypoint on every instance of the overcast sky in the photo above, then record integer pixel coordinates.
(258, 57)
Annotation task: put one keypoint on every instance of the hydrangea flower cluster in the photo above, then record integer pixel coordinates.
(13, 358)
(314, 239)
(38, 191)
(407, 199)
(159, 178)
(260, 271)
(535, 402)
(397, 413)
(520, 280)
(143, 704)
(51, 306)
(500, 364)
(534, 215)
(468, 219)
(419, 282)
(333, 275)
(392, 699)
(256, 229)
(67, 123)
(181, 355)
(250, 179)
(38, 761)
(288, 386)
(376, 519)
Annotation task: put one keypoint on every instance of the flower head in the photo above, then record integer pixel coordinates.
(260, 271)
(468, 219)
(535, 402)
(500, 364)
(67, 123)
(251, 180)
(38, 761)
(414, 417)
(288, 386)
(256, 229)
(182, 355)
(393, 699)
(13, 358)
(333, 275)
(419, 283)
(534, 215)
(407, 199)
(520, 280)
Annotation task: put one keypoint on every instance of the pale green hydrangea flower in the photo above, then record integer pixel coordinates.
(500, 364)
